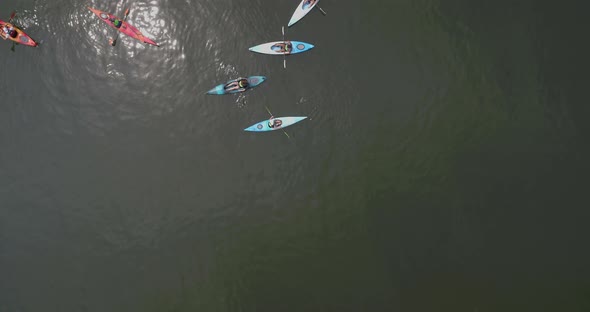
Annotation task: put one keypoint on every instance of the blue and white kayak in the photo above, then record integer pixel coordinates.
(304, 7)
(253, 81)
(278, 47)
(280, 122)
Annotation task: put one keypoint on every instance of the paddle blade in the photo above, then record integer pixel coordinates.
(283, 30)
(13, 14)
(127, 12)
(284, 62)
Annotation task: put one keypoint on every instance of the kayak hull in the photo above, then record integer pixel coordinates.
(252, 80)
(301, 11)
(267, 48)
(125, 28)
(263, 125)
(21, 37)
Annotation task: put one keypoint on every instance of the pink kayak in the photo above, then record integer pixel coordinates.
(125, 27)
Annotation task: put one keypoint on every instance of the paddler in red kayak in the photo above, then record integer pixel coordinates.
(116, 22)
(9, 31)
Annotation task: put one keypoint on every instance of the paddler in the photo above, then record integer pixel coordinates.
(274, 123)
(116, 22)
(282, 47)
(9, 31)
(241, 83)
(308, 3)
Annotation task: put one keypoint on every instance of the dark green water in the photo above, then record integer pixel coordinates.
(444, 166)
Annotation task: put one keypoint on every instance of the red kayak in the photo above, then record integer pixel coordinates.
(124, 27)
(20, 36)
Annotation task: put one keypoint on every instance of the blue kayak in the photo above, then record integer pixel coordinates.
(253, 81)
(280, 122)
(278, 47)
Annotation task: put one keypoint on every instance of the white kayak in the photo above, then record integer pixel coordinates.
(278, 123)
(278, 47)
(302, 9)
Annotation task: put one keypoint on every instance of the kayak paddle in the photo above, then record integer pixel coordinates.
(271, 116)
(321, 10)
(12, 15)
(113, 42)
(284, 57)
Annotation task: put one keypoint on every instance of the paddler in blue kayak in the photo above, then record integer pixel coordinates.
(284, 47)
(274, 123)
(240, 83)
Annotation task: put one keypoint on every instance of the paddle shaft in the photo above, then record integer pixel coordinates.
(4, 36)
(284, 54)
(268, 110)
(118, 32)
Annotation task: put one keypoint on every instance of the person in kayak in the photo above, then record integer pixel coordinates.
(274, 123)
(9, 31)
(308, 3)
(284, 47)
(116, 22)
(241, 83)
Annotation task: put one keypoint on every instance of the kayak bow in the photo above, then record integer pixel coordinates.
(125, 27)
(302, 9)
